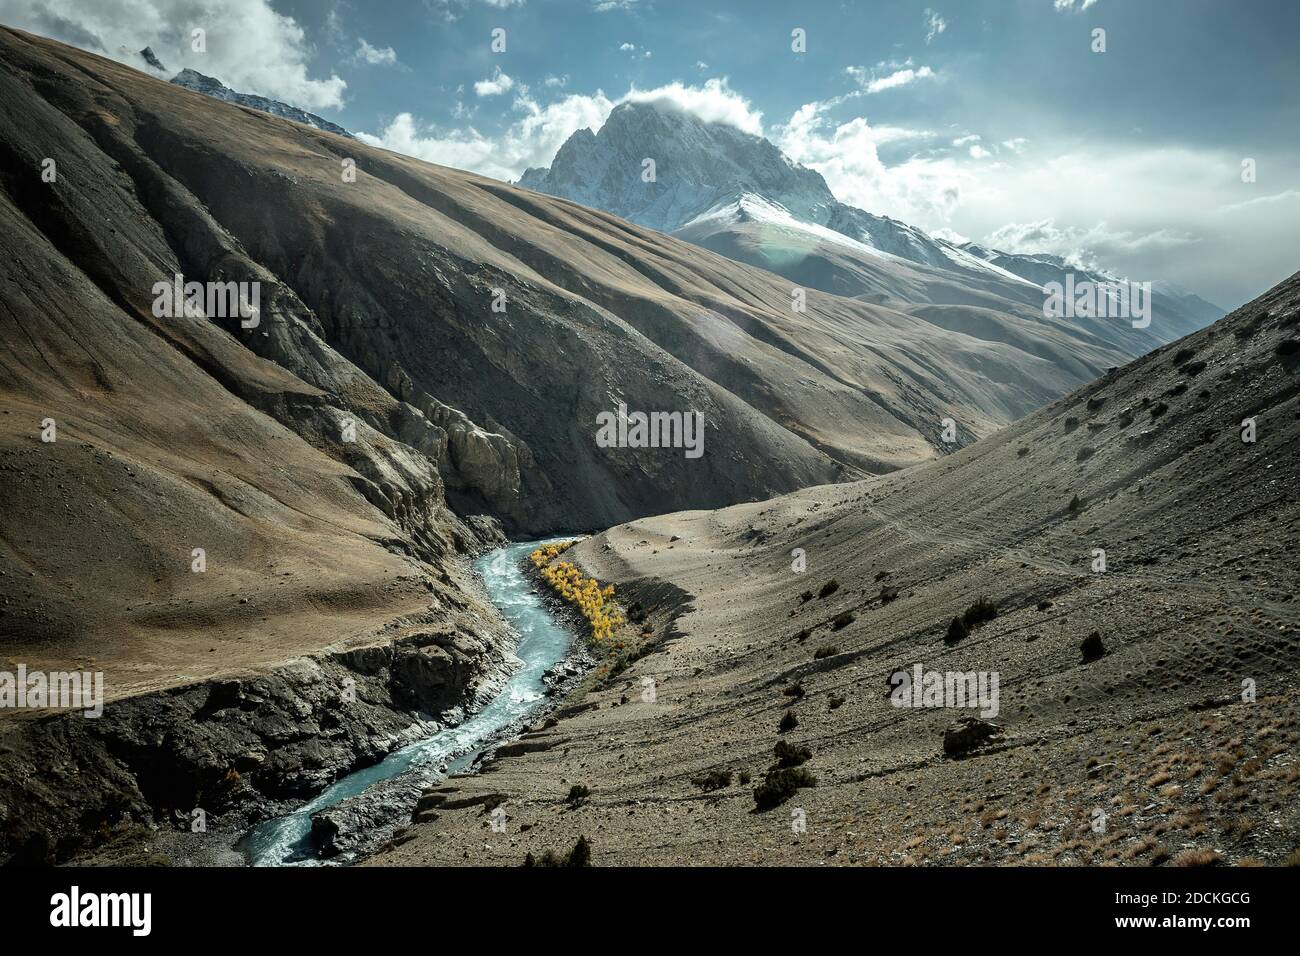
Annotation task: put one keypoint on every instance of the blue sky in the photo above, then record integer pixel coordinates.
(985, 119)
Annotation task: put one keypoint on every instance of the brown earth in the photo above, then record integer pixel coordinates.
(1198, 596)
(332, 560)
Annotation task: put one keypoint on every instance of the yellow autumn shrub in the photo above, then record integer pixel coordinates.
(593, 602)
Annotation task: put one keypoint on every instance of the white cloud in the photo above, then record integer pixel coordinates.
(499, 83)
(375, 56)
(1065, 6)
(627, 47)
(870, 83)
(969, 138)
(532, 139)
(554, 81)
(604, 6)
(537, 132)
(934, 25)
(1016, 144)
(1087, 248)
(1284, 196)
(714, 102)
(919, 190)
(250, 47)
(979, 152)
(950, 235)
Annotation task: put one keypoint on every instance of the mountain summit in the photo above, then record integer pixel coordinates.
(697, 166)
(739, 195)
(211, 86)
(715, 173)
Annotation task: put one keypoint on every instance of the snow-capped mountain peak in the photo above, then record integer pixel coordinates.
(701, 169)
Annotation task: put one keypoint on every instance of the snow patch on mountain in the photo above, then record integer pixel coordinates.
(211, 86)
(704, 172)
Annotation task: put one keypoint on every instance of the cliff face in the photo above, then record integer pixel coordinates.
(240, 529)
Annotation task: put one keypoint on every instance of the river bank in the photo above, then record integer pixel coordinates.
(363, 810)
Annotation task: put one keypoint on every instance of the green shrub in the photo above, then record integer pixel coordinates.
(829, 588)
(827, 650)
(979, 612)
(580, 855)
(791, 755)
(578, 794)
(957, 631)
(788, 722)
(843, 619)
(714, 780)
(780, 785)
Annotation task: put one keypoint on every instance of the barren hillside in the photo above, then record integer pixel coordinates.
(1148, 722)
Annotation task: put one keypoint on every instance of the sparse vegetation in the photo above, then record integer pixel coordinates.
(780, 785)
(580, 855)
(957, 631)
(791, 755)
(826, 650)
(788, 722)
(829, 588)
(1197, 858)
(578, 795)
(713, 780)
(843, 619)
(978, 613)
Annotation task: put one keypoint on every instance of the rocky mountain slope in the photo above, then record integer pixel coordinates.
(737, 194)
(1147, 707)
(270, 599)
(398, 272)
(210, 86)
(232, 516)
(1181, 311)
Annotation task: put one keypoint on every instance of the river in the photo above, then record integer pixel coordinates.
(542, 643)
